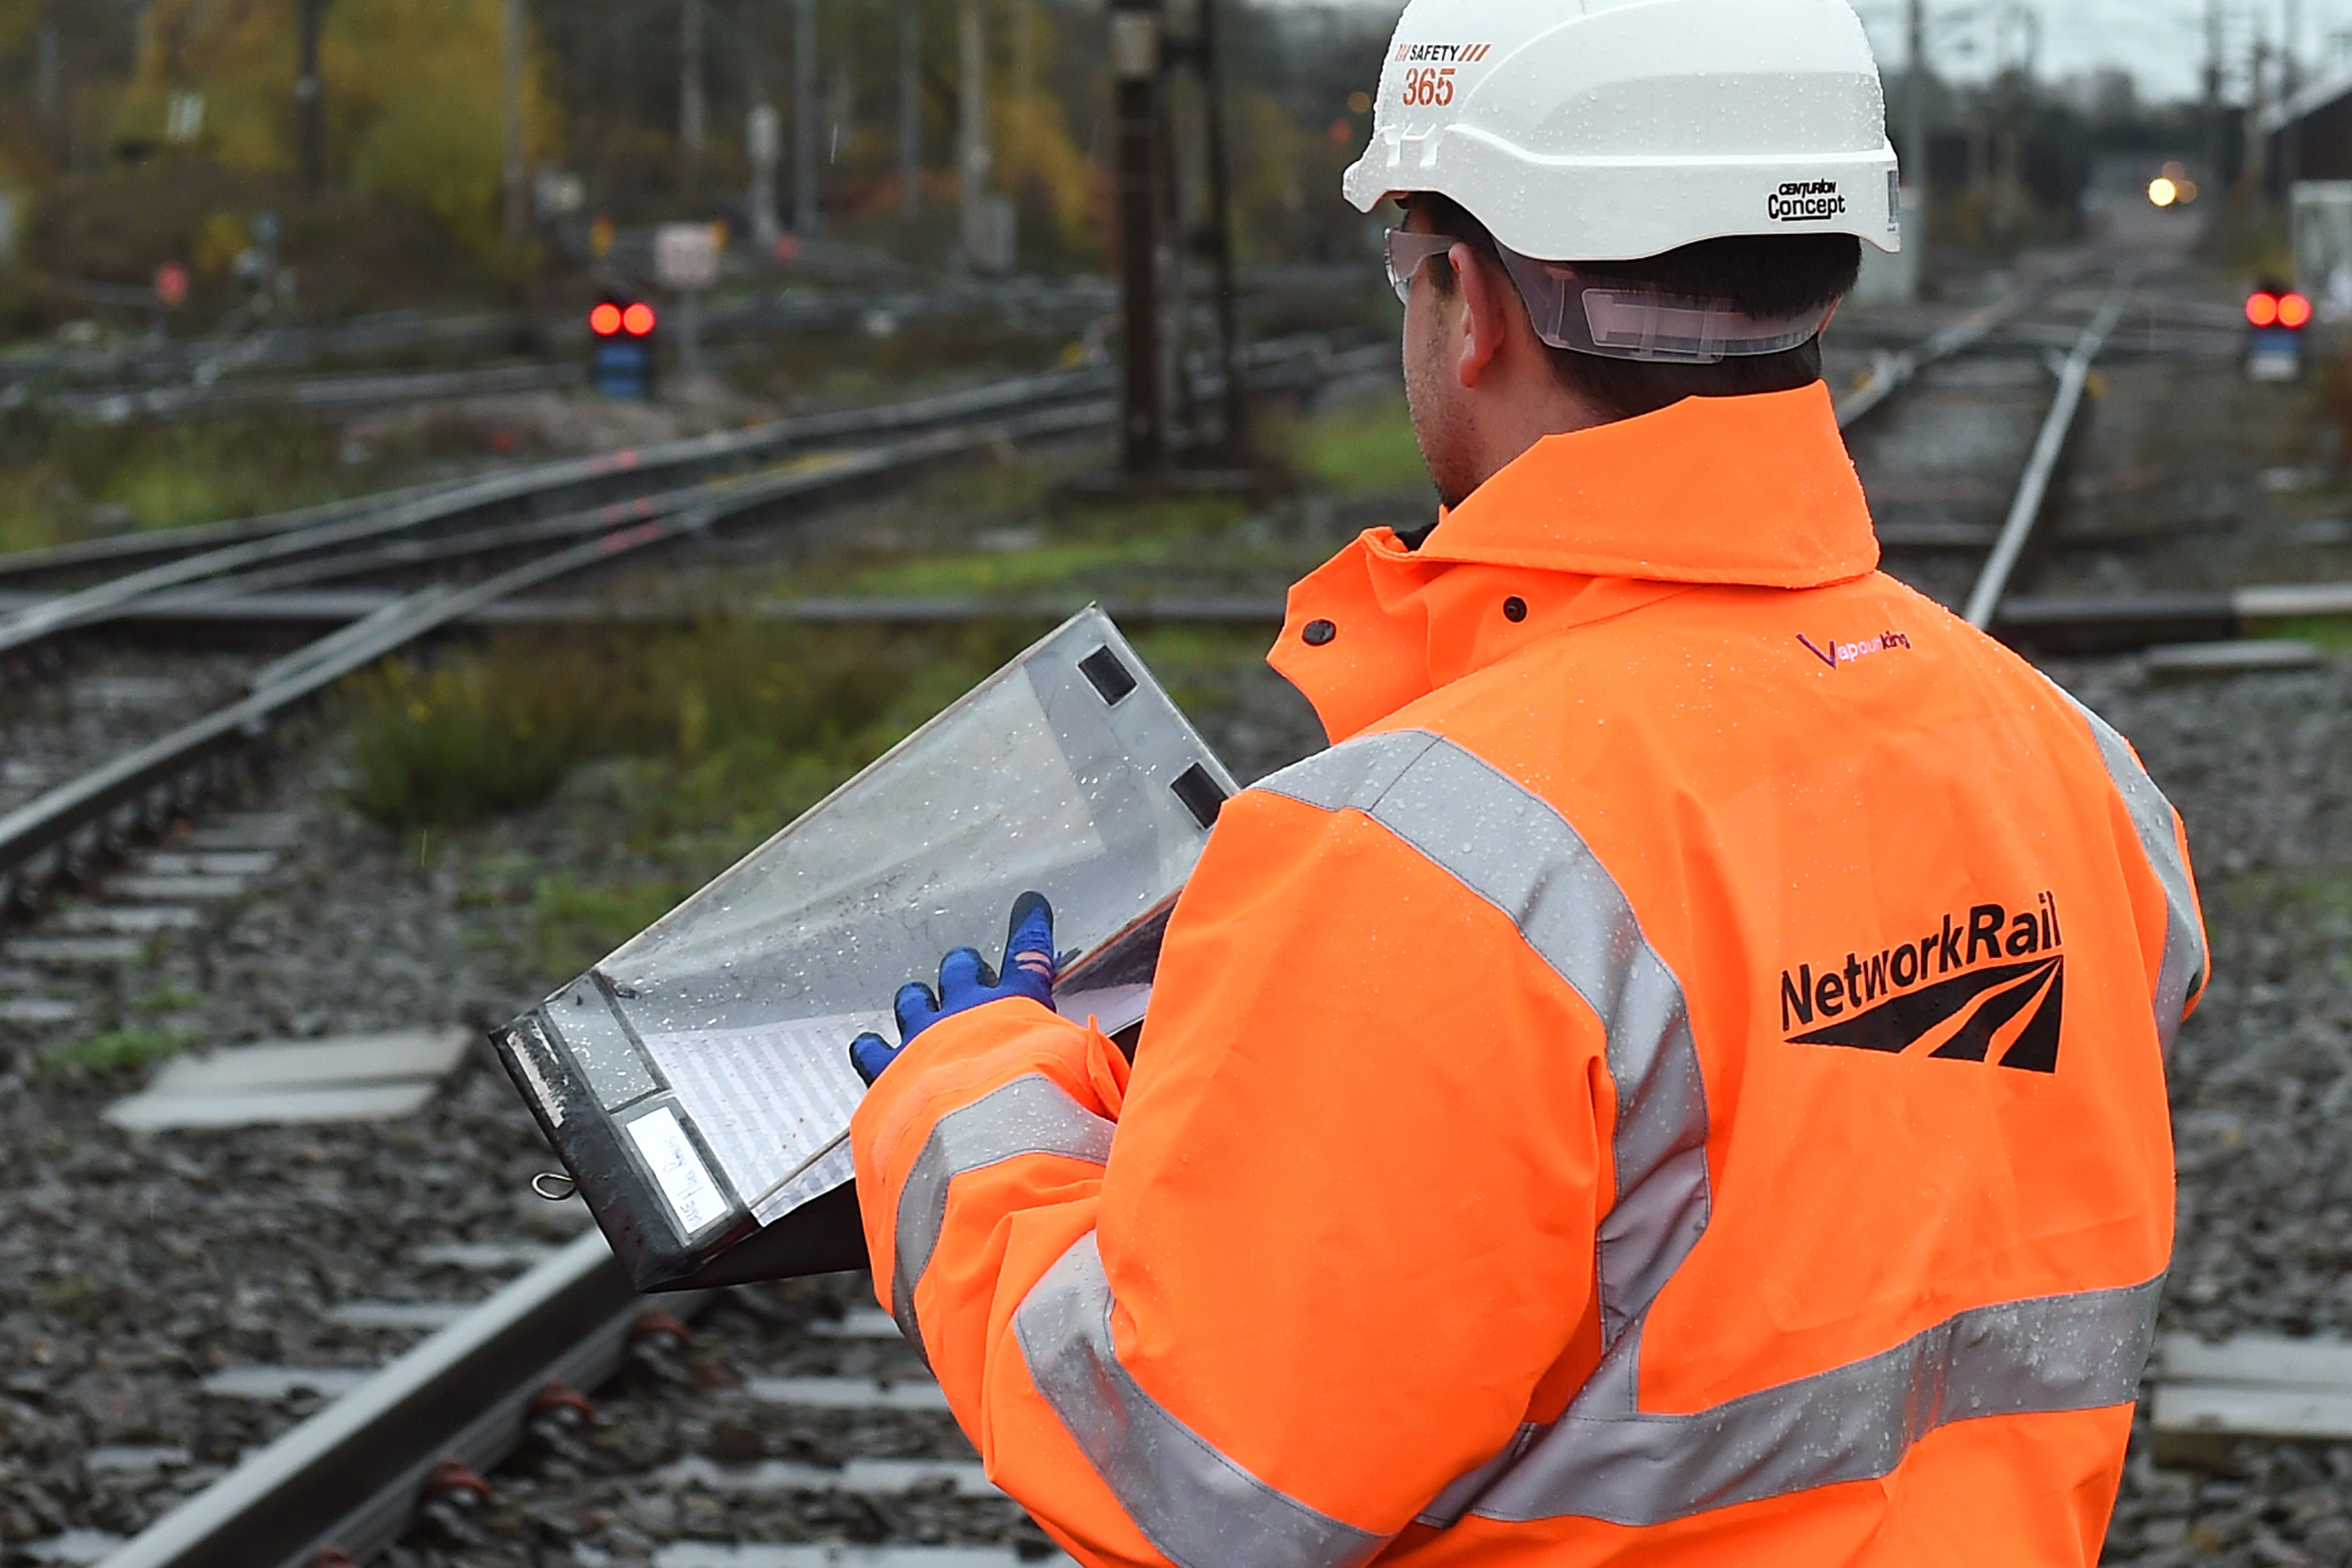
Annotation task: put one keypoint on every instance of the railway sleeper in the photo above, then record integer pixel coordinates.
(76, 861)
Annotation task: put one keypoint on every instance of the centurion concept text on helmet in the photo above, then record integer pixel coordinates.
(1557, 125)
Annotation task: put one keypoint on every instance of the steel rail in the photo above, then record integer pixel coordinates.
(542, 479)
(409, 553)
(1894, 372)
(52, 833)
(105, 600)
(350, 540)
(411, 512)
(2049, 447)
(2121, 623)
(347, 393)
(209, 358)
(346, 1478)
(120, 549)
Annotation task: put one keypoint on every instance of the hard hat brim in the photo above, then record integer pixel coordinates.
(1606, 210)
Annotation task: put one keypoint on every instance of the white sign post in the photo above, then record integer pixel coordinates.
(686, 261)
(764, 137)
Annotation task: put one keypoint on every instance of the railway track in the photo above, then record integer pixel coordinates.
(793, 1416)
(583, 514)
(554, 517)
(216, 896)
(369, 362)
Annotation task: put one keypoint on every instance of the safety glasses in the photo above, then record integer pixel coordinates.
(1407, 253)
(1645, 324)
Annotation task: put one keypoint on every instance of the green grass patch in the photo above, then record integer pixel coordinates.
(733, 725)
(61, 481)
(1362, 449)
(168, 999)
(462, 741)
(2336, 635)
(1176, 652)
(678, 753)
(1202, 665)
(993, 575)
(116, 1051)
(574, 923)
(2319, 897)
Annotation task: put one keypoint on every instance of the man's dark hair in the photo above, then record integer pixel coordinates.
(1765, 276)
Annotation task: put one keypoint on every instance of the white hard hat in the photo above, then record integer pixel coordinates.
(1616, 130)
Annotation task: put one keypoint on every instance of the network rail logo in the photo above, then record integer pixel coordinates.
(1961, 986)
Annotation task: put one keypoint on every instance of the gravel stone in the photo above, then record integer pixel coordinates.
(140, 1265)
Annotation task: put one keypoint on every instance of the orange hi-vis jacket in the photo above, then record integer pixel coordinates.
(1681, 1080)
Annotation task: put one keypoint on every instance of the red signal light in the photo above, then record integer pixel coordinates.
(2293, 312)
(2262, 311)
(637, 320)
(604, 320)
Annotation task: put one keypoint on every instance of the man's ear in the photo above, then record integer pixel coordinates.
(1484, 315)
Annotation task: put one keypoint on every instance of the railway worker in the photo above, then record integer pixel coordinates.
(1681, 1079)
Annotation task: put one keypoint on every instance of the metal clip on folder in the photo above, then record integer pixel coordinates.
(697, 1082)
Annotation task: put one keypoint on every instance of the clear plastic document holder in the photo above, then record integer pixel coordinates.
(696, 1084)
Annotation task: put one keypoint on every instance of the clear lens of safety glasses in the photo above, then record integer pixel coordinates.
(1407, 252)
(1649, 324)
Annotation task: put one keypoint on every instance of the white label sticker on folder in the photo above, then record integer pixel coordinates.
(693, 1196)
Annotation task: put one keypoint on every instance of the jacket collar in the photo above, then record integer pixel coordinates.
(1750, 491)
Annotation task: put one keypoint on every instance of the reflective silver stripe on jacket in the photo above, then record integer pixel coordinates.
(1853, 1423)
(1030, 1115)
(2184, 942)
(1466, 1488)
(1513, 849)
(1606, 1459)
(1200, 1509)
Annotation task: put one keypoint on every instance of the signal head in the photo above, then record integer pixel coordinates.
(2262, 311)
(2293, 312)
(638, 320)
(606, 321)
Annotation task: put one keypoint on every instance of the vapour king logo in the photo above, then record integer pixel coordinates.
(1962, 987)
(1837, 655)
(1806, 201)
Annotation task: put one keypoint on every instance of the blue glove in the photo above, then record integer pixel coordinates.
(967, 982)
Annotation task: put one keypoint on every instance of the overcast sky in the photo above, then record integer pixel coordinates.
(2160, 42)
